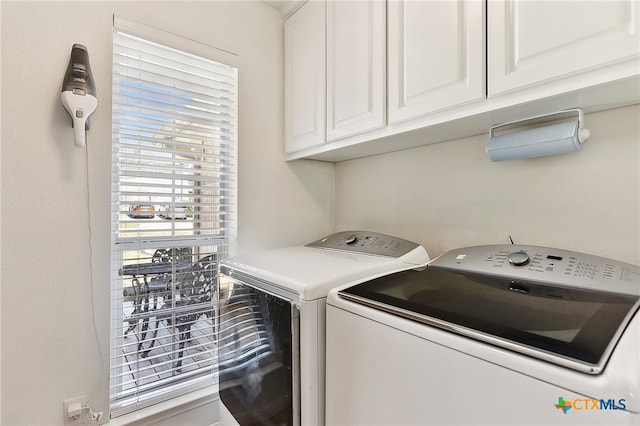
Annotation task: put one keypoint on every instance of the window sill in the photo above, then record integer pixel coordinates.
(200, 406)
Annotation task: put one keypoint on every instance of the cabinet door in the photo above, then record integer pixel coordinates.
(305, 123)
(356, 36)
(536, 41)
(436, 55)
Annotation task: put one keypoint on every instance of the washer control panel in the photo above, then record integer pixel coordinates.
(543, 264)
(364, 242)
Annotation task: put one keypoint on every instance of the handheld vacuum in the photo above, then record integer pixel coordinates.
(79, 92)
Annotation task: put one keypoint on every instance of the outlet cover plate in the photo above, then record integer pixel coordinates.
(65, 410)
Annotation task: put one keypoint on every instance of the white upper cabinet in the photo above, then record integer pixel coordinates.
(436, 55)
(305, 110)
(397, 74)
(356, 67)
(533, 42)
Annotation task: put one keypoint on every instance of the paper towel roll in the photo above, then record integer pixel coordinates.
(538, 142)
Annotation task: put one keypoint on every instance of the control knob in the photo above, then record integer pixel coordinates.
(518, 258)
(351, 239)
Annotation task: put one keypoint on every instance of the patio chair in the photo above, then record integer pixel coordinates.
(189, 300)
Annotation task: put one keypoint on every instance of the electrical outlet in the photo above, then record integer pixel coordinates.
(72, 411)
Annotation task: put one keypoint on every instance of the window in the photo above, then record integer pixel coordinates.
(173, 217)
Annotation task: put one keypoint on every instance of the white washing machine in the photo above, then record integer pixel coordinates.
(491, 335)
(272, 321)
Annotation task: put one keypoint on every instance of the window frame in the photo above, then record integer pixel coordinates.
(119, 245)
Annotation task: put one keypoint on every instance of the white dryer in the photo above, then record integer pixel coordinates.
(272, 321)
(488, 335)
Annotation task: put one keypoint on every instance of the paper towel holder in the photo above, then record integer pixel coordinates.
(583, 133)
(540, 141)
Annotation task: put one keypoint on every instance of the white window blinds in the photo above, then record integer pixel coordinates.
(173, 217)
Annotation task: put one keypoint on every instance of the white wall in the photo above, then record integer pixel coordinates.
(450, 195)
(49, 347)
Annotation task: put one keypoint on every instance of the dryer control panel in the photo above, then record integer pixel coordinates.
(543, 264)
(365, 242)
